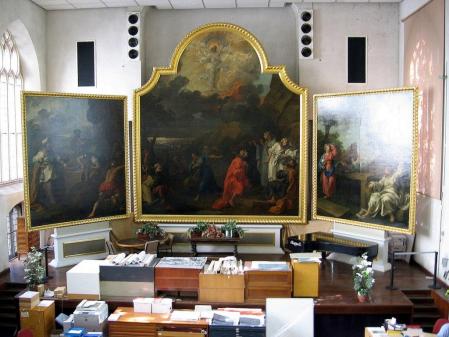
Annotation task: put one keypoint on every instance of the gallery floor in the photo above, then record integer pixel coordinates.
(337, 311)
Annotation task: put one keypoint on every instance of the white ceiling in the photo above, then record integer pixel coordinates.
(178, 4)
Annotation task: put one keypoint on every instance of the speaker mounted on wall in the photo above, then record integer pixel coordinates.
(134, 40)
(306, 34)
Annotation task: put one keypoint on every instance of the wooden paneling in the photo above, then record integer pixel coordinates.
(441, 302)
(176, 279)
(222, 288)
(131, 324)
(25, 239)
(41, 320)
(264, 284)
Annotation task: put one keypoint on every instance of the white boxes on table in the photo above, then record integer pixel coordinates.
(161, 305)
(143, 305)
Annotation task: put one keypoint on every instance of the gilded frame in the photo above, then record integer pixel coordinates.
(413, 162)
(265, 69)
(27, 210)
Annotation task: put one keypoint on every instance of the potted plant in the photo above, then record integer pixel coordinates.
(363, 277)
(150, 231)
(230, 229)
(33, 269)
(198, 229)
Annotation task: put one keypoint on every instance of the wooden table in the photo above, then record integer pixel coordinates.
(369, 334)
(132, 244)
(135, 324)
(213, 241)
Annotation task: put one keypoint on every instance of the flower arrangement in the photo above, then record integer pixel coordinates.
(231, 229)
(363, 277)
(212, 232)
(150, 231)
(33, 268)
(198, 229)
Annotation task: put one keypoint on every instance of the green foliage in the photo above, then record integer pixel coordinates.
(231, 226)
(34, 271)
(199, 228)
(447, 293)
(151, 229)
(363, 276)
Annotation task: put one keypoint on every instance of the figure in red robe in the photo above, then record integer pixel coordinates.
(235, 182)
(327, 168)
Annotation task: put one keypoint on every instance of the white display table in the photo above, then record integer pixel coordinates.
(81, 236)
(83, 280)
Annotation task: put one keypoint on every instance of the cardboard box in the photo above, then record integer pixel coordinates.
(59, 292)
(28, 300)
(162, 306)
(262, 282)
(40, 319)
(306, 279)
(68, 323)
(222, 288)
(143, 305)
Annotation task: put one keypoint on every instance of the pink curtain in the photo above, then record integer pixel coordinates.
(423, 68)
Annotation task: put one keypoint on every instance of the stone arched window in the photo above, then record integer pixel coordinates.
(11, 84)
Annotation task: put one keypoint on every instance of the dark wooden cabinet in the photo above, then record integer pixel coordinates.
(25, 239)
(133, 324)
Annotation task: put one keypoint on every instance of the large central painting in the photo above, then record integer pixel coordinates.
(220, 134)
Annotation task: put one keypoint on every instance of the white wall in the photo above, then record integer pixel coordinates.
(431, 213)
(115, 73)
(333, 23)
(26, 22)
(275, 28)
(444, 239)
(15, 13)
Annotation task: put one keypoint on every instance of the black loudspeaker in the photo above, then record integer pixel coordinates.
(306, 34)
(134, 42)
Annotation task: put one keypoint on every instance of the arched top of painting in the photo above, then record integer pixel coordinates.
(219, 59)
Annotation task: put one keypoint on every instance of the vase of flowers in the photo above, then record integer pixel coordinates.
(197, 230)
(212, 232)
(363, 277)
(150, 231)
(33, 269)
(231, 230)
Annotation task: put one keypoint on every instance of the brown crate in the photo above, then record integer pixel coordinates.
(221, 288)
(41, 320)
(306, 277)
(176, 279)
(261, 284)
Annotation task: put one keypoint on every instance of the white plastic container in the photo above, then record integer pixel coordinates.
(143, 305)
(162, 306)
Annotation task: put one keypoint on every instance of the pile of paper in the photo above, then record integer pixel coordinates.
(226, 266)
(142, 259)
(306, 257)
(239, 316)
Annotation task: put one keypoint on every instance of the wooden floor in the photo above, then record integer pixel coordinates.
(337, 310)
(335, 280)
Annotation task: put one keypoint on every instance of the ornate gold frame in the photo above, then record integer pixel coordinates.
(414, 162)
(265, 69)
(25, 160)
